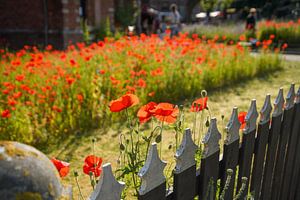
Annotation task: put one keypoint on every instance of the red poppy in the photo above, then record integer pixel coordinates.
(17, 95)
(20, 77)
(5, 114)
(242, 116)
(146, 112)
(242, 38)
(151, 94)
(272, 36)
(284, 46)
(62, 167)
(166, 112)
(92, 164)
(123, 102)
(199, 104)
(80, 98)
(11, 102)
(57, 109)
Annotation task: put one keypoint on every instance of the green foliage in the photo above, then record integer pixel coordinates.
(85, 31)
(104, 30)
(208, 5)
(226, 3)
(284, 32)
(126, 14)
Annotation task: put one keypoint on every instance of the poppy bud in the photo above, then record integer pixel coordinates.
(122, 147)
(76, 174)
(207, 123)
(158, 139)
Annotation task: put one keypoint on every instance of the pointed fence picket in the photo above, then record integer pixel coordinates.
(266, 164)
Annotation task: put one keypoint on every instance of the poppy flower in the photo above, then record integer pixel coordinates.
(151, 94)
(123, 102)
(92, 164)
(199, 104)
(80, 98)
(20, 77)
(272, 37)
(242, 116)
(146, 112)
(5, 114)
(62, 167)
(284, 46)
(166, 112)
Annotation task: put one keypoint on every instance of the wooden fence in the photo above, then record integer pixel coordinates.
(268, 156)
(266, 164)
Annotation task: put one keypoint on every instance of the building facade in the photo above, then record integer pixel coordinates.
(43, 22)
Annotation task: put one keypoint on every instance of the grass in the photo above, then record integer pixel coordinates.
(221, 101)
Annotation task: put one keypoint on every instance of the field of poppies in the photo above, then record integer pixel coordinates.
(47, 95)
(283, 32)
(288, 32)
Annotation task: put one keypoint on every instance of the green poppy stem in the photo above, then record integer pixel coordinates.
(78, 186)
(161, 137)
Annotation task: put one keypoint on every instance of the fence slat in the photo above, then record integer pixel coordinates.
(283, 142)
(272, 146)
(107, 188)
(231, 153)
(247, 148)
(296, 164)
(298, 188)
(153, 185)
(289, 161)
(185, 169)
(260, 147)
(209, 169)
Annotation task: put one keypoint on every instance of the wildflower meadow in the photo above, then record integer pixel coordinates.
(47, 95)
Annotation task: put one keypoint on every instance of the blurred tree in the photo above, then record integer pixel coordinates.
(225, 4)
(191, 4)
(126, 13)
(208, 6)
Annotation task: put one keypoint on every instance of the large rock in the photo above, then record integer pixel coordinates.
(27, 174)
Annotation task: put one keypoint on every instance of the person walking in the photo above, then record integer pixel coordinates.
(251, 20)
(175, 20)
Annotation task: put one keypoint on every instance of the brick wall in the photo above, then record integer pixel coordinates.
(22, 22)
(71, 22)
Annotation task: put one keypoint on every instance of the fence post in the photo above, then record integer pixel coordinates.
(107, 188)
(209, 169)
(266, 190)
(247, 149)
(231, 153)
(283, 142)
(185, 169)
(296, 158)
(153, 185)
(260, 147)
(290, 151)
